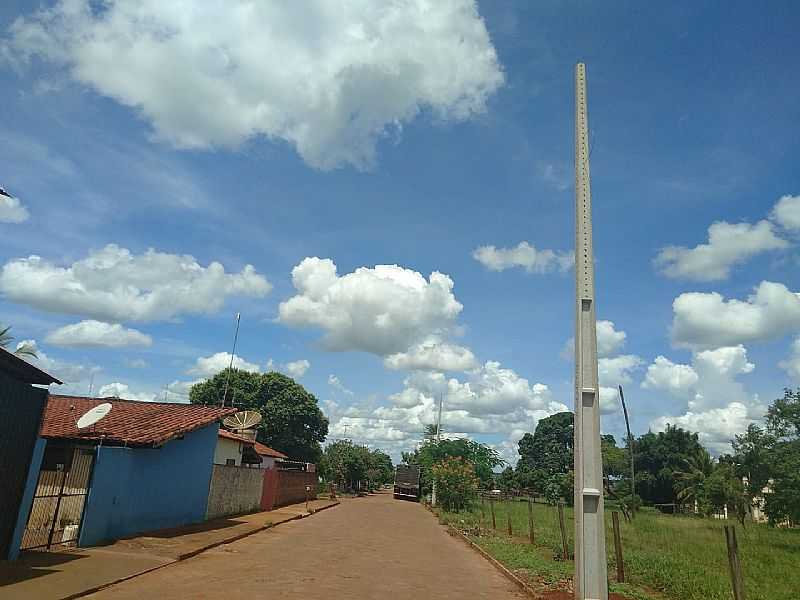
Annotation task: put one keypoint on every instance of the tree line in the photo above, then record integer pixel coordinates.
(674, 469)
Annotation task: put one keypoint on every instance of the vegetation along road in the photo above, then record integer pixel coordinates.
(373, 547)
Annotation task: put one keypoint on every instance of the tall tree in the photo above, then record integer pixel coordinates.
(550, 448)
(658, 457)
(783, 423)
(482, 457)
(291, 419)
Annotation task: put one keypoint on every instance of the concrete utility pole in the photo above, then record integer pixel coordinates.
(590, 545)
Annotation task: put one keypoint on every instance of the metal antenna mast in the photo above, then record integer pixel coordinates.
(590, 546)
(233, 355)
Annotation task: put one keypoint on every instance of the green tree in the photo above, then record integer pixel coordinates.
(752, 460)
(724, 488)
(6, 338)
(783, 424)
(291, 419)
(658, 457)
(456, 482)
(690, 481)
(507, 480)
(484, 458)
(550, 448)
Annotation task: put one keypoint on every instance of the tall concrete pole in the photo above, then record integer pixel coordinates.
(438, 438)
(590, 544)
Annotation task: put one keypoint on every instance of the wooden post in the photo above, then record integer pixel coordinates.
(733, 560)
(563, 527)
(494, 521)
(530, 520)
(510, 532)
(618, 548)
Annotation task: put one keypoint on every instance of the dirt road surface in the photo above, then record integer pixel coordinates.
(365, 548)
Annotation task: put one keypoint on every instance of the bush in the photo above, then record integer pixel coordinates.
(456, 483)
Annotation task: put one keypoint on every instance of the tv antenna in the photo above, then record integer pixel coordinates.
(244, 419)
(93, 415)
(233, 355)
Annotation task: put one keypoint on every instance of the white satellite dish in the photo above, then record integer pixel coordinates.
(244, 419)
(92, 416)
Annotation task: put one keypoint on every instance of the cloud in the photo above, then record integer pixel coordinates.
(336, 384)
(297, 368)
(787, 212)
(75, 376)
(664, 374)
(524, 255)
(728, 245)
(609, 341)
(382, 310)
(707, 320)
(330, 81)
(716, 427)
(135, 363)
(11, 209)
(208, 366)
(432, 354)
(792, 364)
(121, 390)
(97, 333)
(113, 284)
(616, 370)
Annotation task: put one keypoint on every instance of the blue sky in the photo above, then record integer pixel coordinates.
(236, 136)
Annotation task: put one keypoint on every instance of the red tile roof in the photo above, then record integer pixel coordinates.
(229, 435)
(267, 451)
(130, 422)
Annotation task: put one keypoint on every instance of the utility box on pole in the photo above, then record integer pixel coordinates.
(590, 545)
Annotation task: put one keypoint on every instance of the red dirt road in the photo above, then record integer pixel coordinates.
(365, 548)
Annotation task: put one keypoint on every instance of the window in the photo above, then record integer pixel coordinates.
(231, 462)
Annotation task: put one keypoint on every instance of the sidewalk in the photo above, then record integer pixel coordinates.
(66, 575)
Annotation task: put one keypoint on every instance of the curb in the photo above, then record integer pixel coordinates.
(498, 565)
(193, 553)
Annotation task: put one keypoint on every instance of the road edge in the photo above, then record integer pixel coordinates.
(194, 553)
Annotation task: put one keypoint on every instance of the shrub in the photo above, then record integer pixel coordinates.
(456, 483)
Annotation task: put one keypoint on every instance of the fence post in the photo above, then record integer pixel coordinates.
(530, 520)
(510, 532)
(618, 548)
(494, 521)
(733, 560)
(563, 527)
(333, 491)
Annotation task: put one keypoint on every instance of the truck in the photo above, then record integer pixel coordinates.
(407, 482)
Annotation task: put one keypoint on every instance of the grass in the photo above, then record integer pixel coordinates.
(680, 558)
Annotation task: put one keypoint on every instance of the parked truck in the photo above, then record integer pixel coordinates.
(407, 482)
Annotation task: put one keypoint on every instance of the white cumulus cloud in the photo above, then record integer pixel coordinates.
(432, 354)
(716, 427)
(523, 255)
(337, 384)
(664, 374)
(728, 244)
(708, 320)
(123, 391)
(787, 212)
(617, 370)
(208, 366)
(113, 284)
(297, 368)
(75, 376)
(330, 79)
(97, 333)
(609, 341)
(383, 310)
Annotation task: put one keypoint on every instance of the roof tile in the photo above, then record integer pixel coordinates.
(130, 422)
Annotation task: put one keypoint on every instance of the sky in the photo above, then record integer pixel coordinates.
(385, 193)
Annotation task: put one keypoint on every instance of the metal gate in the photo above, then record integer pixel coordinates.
(55, 519)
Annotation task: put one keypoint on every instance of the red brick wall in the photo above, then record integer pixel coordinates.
(287, 487)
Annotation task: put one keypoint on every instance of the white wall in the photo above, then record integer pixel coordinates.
(227, 449)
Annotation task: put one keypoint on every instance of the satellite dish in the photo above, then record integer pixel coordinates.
(92, 416)
(244, 419)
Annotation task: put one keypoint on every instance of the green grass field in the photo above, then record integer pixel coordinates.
(681, 558)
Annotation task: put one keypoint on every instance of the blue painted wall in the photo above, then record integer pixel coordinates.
(136, 489)
(27, 497)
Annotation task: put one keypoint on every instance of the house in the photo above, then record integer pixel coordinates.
(235, 450)
(21, 449)
(269, 456)
(144, 466)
